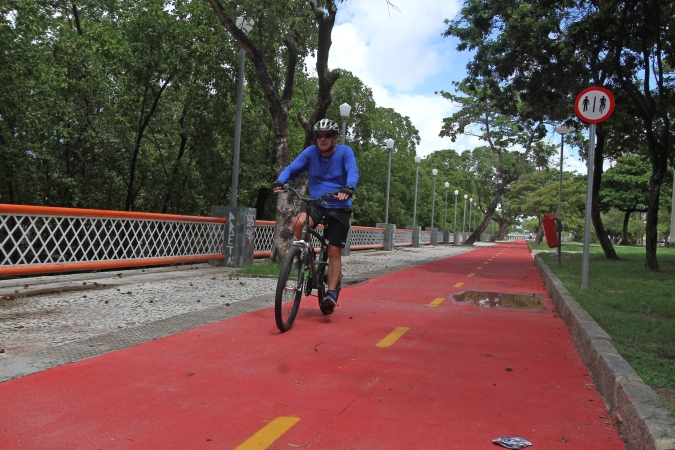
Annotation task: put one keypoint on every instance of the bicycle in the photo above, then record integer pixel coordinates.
(300, 259)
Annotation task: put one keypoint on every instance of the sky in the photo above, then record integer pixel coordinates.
(403, 57)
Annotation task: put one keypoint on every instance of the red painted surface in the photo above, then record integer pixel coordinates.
(443, 385)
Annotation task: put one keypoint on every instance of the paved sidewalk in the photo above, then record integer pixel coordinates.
(400, 364)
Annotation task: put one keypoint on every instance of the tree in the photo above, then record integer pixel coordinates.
(486, 112)
(626, 188)
(286, 23)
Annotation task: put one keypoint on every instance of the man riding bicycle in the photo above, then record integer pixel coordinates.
(330, 167)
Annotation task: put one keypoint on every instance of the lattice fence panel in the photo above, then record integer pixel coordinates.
(264, 238)
(366, 237)
(402, 237)
(425, 237)
(29, 239)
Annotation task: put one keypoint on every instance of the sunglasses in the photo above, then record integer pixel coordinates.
(324, 135)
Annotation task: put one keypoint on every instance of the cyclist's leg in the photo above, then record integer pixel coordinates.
(334, 266)
(299, 220)
(337, 228)
(298, 223)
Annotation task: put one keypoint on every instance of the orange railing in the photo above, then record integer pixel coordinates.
(37, 239)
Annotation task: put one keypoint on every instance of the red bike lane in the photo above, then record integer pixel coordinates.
(398, 365)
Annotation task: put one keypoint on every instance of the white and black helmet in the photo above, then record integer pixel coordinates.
(326, 125)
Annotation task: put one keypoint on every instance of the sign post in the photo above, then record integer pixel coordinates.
(593, 105)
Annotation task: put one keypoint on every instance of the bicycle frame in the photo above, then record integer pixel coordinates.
(305, 241)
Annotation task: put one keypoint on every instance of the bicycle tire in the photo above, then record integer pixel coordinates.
(289, 289)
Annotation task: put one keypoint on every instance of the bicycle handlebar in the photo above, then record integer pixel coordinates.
(287, 188)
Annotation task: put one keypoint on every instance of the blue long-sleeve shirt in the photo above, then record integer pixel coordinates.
(325, 174)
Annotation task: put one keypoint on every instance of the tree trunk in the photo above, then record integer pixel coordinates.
(503, 230)
(625, 239)
(327, 78)
(605, 241)
(174, 170)
(489, 213)
(540, 233)
(143, 121)
(279, 106)
(651, 232)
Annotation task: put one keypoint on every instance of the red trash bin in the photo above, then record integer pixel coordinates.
(550, 230)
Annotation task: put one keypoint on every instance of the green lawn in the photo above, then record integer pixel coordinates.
(635, 306)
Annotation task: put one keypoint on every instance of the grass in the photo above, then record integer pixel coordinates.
(636, 307)
(260, 268)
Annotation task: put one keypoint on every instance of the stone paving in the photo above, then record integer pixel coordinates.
(82, 315)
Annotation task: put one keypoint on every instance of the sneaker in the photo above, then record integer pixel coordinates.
(329, 302)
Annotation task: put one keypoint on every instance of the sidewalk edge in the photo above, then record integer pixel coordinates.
(641, 418)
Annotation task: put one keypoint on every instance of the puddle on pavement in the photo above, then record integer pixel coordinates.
(499, 300)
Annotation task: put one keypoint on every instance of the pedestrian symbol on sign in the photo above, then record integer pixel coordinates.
(594, 105)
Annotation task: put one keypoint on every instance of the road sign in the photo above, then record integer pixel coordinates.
(594, 104)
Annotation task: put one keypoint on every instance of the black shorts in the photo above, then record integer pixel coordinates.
(336, 223)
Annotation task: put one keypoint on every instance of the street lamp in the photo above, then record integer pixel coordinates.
(464, 216)
(454, 228)
(470, 214)
(561, 129)
(417, 172)
(390, 147)
(245, 26)
(345, 109)
(433, 197)
(445, 215)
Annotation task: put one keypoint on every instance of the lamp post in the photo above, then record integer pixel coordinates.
(470, 214)
(433, 197)
(390, 147)
(246, 26)
(464, 216)
(454, 228)
(561, 129)
(445, 215)
(345, 109)
(417, 172)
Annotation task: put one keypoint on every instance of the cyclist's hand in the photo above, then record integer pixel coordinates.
(277, 186)
(345, 193)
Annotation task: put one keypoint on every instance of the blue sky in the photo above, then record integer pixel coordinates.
(403, 57)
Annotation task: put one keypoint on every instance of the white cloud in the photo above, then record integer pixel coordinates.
(395, 53)
(426, 112)
(396, 49)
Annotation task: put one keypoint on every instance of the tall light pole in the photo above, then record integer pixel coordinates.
(454, 228)
(445, 215)
(245, 26)
(464, 216)
(390, 147)
(433, 197)
(345, 109)
(562, 129)
(417, 173)
(470, 215)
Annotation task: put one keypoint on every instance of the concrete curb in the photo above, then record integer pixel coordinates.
(642, 420)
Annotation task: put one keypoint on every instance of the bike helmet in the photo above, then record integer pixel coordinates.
(326, 125)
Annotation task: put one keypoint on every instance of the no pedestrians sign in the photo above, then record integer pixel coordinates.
(594, 105)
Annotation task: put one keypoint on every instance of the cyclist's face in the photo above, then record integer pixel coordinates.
(325, 140)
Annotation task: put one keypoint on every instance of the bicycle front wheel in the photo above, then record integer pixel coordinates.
(289, 289)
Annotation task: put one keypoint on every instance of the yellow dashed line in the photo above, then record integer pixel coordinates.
(270, 433)
(459, 285)
(472, 274)
(479, 267)
(392, 337)
(436, 302)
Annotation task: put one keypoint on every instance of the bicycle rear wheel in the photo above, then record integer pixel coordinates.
(289, 289)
